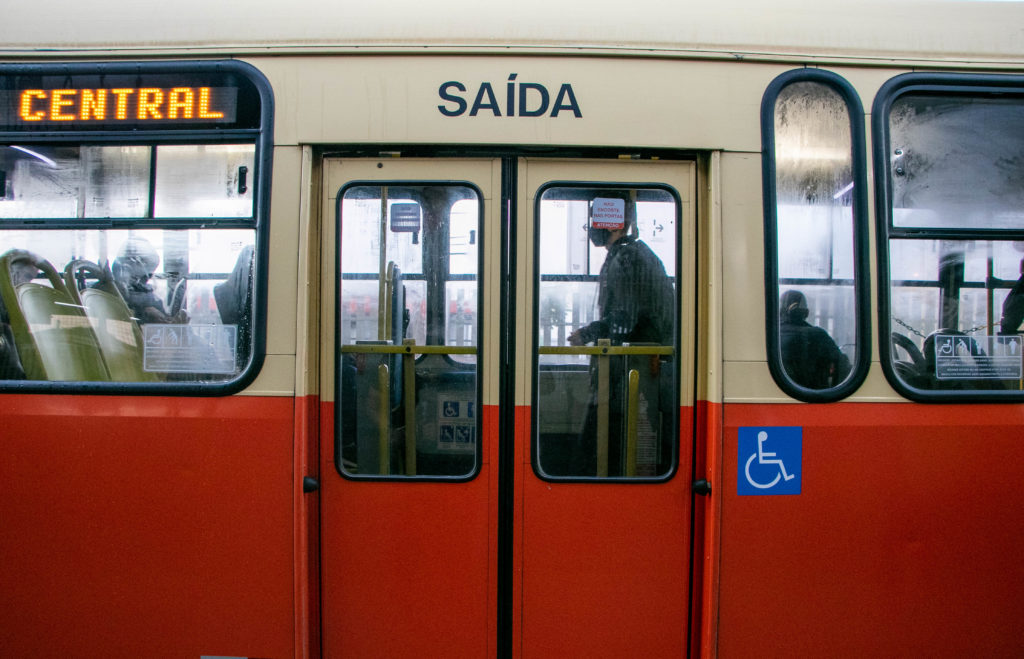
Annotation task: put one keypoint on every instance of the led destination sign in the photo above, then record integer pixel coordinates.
(120, 105)
(127, 104)
(130, 97)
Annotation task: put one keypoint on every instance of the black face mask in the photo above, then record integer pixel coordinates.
(598, 236)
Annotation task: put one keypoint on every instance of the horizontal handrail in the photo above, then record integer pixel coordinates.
(409, 350)
(605, 350)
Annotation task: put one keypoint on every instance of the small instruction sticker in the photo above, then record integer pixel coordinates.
(457, 427)
(960, 357)
(189, 348)
(608, 213)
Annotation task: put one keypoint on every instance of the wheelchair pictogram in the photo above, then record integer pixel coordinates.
(769, 460)
(766, 458)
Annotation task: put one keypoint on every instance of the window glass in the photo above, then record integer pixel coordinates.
(955, 256)
(66, 182)
(606, 318)
(810, 210)
(956, 162)
(407, 314)
(204, 180)
(40, 181)
(126, 305)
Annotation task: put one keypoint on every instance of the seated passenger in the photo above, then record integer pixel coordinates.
(809, 355)
(10, 363)
(132, 269)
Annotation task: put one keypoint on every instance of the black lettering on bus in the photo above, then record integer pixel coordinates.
(460, 103)
(544, 98)
(492, 102)
(510, 96)
(566, 92)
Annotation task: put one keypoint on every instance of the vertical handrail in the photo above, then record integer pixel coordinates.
(632, 416)
(603, 379)
(383, 418)
(382, 293)
(409, 400)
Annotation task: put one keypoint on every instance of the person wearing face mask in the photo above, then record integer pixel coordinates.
(635, 305)
(635, 298)
(134, 266)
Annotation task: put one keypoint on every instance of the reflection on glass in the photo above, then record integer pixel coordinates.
(67, 182)
(40, 182)
(814, 185)
(970, 289)
(957, 305)
(408, 285)
(204, 180)
(126, 305)
(955, 162)
(606, 259)
(117, 180)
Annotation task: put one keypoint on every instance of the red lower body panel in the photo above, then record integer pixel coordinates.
(906, 539)
(146, 526)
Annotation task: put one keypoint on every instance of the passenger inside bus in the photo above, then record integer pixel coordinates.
(810, 356)
(10, 363)
(1013, 307)
(635, 305)
(234, 301)
(134, 266)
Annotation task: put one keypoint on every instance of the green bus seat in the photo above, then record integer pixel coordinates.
(119, 335)
(54, 337)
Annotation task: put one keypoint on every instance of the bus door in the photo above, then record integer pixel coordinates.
(409, 423)
(605, 284)
(436, 539)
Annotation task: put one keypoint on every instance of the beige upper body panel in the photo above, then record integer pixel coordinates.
(871, 30)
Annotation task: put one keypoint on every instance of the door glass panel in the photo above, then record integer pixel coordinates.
(605, 327)
(407, 317)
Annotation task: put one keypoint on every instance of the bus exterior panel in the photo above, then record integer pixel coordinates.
(389, 468)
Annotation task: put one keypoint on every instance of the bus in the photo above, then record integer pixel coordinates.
(458, 329)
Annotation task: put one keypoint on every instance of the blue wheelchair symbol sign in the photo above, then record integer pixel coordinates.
(770, 460)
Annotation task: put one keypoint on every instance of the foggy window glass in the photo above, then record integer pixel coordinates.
(956, 299)
(956, 162)
(116, 180)
(815, 235)
(204, 180)
(40, 182)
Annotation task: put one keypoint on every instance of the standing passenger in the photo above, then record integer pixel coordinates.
(635, 304)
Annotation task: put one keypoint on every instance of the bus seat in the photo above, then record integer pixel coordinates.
(119, 336)
(54, 337)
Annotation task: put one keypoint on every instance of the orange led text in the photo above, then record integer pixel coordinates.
(120, 104)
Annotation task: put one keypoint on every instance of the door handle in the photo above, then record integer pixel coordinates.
(701, 487)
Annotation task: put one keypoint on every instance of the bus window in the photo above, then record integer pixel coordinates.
(154, 304)
(407, 314)
(814, 233)
(954, 256)
(607, 308)
(130, 212)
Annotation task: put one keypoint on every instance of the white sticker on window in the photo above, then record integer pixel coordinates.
(609, 213)
(960, 357)
(190, 348)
